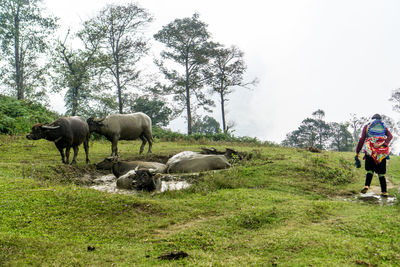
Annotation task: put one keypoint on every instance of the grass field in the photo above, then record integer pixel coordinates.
(283, 207)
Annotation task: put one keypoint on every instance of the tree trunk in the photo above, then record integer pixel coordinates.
(119, 89)
(188, 108)
(120, 106)
(74, 101)
(17, 55)
(223, 112)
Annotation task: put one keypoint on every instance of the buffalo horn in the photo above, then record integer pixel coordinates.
(47, 127)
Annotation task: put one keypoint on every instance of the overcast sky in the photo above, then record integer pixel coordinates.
(340, 56)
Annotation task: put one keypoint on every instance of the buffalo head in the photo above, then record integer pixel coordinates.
(95, 124)
(107, 163)
(40, 131)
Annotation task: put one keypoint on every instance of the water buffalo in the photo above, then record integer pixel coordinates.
(123, 127)
(189, 161)
(65, 132)
(122, 167)
(139, 180)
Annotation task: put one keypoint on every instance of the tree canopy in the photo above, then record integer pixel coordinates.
(123, 46)
(187, 45)
(24, 35)
(224, 73)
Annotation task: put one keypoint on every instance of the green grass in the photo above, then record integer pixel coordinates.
(282, 207)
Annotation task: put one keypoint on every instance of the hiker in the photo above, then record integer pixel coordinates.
(374, 140)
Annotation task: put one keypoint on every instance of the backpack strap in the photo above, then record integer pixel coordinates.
(366, 130)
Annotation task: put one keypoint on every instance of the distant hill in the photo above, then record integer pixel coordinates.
(17, 117)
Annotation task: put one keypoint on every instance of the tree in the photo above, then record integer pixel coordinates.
(392, 126)
(156, 109)
(292, 139)
(341, 138)
(312, 132)
(189, 49)
(225, 72)
(74, 70)
(396, 99)
(123, 45)
(304, 136)
(357, 124)
(322, 128)
(308, 136)
(206, 125)
(23, 33)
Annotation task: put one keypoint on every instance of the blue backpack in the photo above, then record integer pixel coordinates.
(376, 128)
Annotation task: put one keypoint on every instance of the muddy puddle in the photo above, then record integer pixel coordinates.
(108, 183)
(371, 197)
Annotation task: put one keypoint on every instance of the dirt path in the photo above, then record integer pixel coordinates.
(377, 189)
(374, 195)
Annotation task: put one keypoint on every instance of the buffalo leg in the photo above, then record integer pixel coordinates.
(143, 138)
(86, 146)
(67, 152)
(76, 150)
(114, 147)
(61, 150)
(150, 140)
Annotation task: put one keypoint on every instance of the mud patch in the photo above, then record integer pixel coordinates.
(108, 183)
(374, 198)
(371, 197)
(173, 185)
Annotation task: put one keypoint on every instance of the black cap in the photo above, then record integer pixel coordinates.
(377, 117)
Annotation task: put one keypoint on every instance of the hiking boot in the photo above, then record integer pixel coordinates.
(384, 194)
(365, 189)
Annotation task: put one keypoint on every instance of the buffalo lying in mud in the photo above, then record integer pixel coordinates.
(149, 176)
(65, 132)
(117, 127)
(138, 180)
(188, 161)
(122, 167)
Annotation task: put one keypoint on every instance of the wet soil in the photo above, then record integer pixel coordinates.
(108, 183)
(373, 195)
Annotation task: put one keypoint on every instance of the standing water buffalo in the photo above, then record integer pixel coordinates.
(65, 132)
(123, 127)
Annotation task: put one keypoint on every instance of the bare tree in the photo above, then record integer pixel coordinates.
(226, 72)
(123, 45)
(395, 98)
(74, 69)
(23, 34)
(356, 124)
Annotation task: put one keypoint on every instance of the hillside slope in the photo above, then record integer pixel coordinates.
(283, 206)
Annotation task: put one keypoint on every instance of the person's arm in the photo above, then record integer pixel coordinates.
(389, 137)
(362, 140)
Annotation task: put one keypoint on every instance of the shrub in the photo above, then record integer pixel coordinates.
(17, 117)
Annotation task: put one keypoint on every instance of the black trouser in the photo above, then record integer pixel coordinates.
(380, 169)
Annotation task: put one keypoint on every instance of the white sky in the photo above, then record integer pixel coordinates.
(339, 56)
